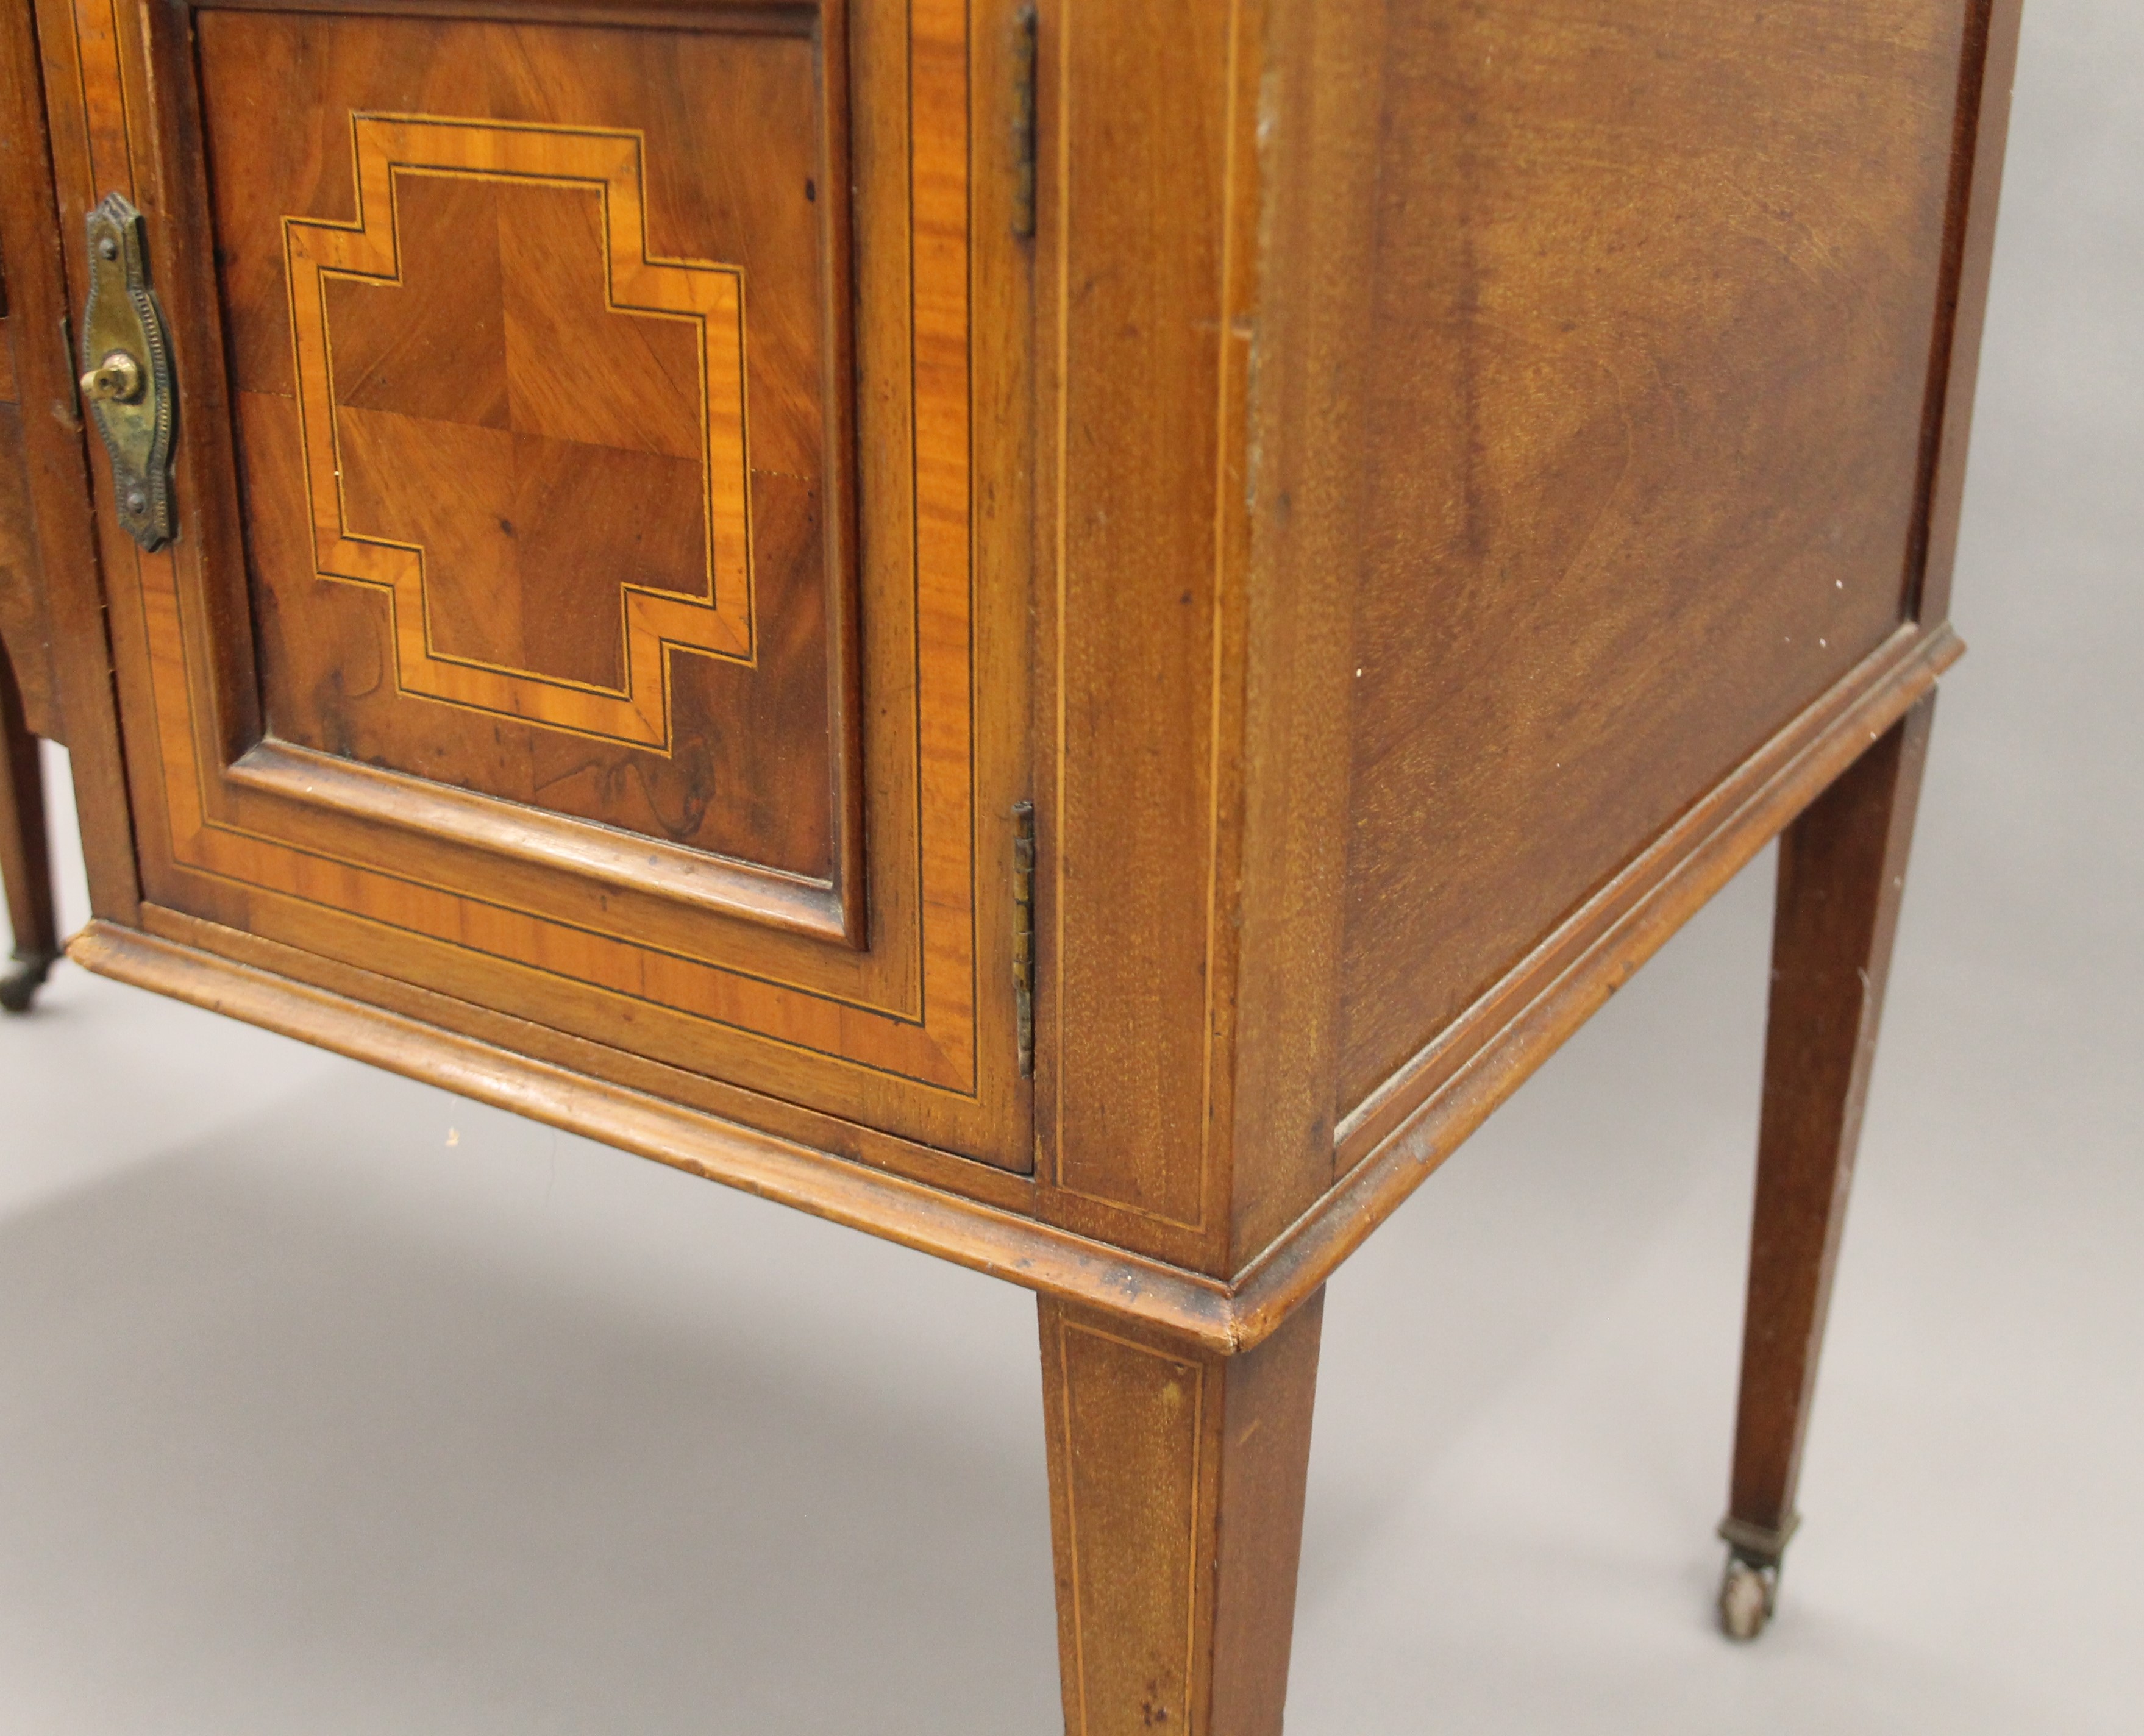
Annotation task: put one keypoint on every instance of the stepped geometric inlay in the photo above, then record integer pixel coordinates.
(537, 447)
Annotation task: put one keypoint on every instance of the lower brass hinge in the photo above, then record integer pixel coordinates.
(1023, 931)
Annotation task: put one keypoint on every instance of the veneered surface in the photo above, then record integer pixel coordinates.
(578, 439)
(1657, 290)
(1176, 1493)
(1842, 878)
(24, 636)
(1149, 202)
(572, 429)
(890, 1013)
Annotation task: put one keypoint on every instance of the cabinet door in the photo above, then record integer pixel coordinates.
(575, 605)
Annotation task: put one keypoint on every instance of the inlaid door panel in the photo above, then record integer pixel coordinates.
(577, 607)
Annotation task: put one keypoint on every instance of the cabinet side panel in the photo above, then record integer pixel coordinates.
(1658, 291)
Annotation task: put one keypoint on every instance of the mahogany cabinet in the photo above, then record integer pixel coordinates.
(1073, 634)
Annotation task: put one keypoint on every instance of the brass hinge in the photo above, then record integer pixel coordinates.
(1023, 122)
(1023, 931)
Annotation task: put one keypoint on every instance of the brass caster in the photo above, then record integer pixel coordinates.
(20, 985)
(1747, 1594)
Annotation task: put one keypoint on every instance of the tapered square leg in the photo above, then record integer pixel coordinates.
(25, 861)
(1841, 871)
(1176, 1490)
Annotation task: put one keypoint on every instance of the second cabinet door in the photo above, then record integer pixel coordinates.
(570, 600)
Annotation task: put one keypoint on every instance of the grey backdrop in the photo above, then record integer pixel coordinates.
(331, 1404)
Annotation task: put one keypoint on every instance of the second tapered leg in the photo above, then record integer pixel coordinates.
(25, 861)
(1842, 871)
(1176, 1490)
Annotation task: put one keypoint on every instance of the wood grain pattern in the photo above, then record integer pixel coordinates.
(495, 317)
(28, 702)
(1842, 876)
(1152, 117)
(600, 458)
(1176, 1482)
(1274, 1110)
(1436, 491)
(1215, 743)
(79, 704)
(1658, 289)
(1399, 1139)
(867, 1010)
(849, 1174)
(493, 1056)
(26, 636)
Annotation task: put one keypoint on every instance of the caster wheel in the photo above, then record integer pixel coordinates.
(1747, 1592)
(20, 985)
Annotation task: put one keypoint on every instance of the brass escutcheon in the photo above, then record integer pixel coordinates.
(127, 383)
